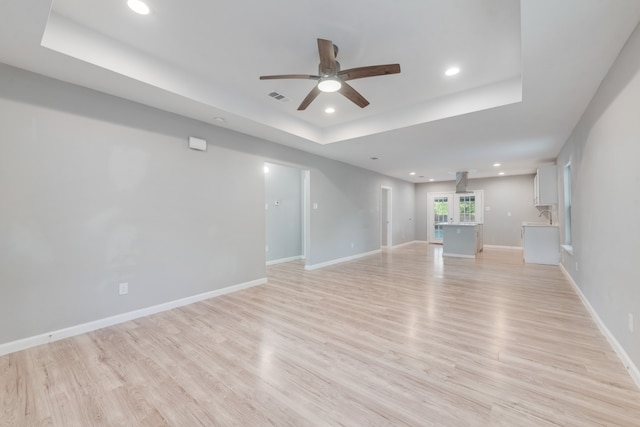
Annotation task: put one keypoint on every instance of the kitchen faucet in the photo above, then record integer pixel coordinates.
(550, 218)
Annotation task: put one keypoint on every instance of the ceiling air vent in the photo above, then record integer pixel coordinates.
(278, 96)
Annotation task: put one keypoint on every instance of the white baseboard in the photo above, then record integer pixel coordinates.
(515, 248)
(624, 357)
(403, 244)
(71, 331)
(339, 260)
(281, 260)
(458, 255)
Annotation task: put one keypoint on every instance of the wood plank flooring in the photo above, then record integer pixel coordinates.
(403, 338)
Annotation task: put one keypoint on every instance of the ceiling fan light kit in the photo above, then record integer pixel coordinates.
(329, 84)
(332, 79)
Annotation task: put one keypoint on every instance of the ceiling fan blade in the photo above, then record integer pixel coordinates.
(327, 57)
(291, 76)
(310, 97)
(371, 71)
(353, 95)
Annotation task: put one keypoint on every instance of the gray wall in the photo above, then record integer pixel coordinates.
(504, 195)
(283, 214)
(96, 190)
(604, 150)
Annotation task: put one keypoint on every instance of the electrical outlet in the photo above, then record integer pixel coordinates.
(630, 322)
(123, 289)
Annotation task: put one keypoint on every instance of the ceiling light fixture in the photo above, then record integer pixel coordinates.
(431, 179)
(329, 110)
(266, 169)
(452, 71)
(412, 173)
(495, 165)
(501, 173)
(329, 84)
(138, 7)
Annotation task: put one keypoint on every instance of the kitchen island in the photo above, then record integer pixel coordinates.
(463, 240)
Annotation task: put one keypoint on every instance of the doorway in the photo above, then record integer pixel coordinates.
(386, 220)
(286, 213)
(440, 211)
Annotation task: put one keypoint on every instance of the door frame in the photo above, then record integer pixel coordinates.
(388, 209)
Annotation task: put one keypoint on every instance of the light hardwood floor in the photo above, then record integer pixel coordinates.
(396, 339)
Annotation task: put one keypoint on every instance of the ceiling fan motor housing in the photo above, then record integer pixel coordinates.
(327, 72)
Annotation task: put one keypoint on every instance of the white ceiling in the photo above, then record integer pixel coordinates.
(529, 69)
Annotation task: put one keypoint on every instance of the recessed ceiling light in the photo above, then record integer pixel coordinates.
(412, 173)
(501, 173)
(138, 7)
(431, 179)
(329, 110)
(219, 119)
(373, 158)
(495, 165)
(452, 71)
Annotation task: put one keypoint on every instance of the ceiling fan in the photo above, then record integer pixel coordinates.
(332, 79)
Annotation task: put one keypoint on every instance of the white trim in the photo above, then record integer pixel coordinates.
(458, 255)
(281, 260)
(404, 244)
(389, 213)
(567, 248)
(624, 357)
(25, 343)
(515, 248)
(339, 260)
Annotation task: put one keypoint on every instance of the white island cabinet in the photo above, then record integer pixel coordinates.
(541, 243)
(462, 240)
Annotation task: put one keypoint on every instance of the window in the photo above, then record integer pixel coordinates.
(567, 204)
(467, 208)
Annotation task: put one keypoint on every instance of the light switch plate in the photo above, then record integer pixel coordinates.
(123, 288)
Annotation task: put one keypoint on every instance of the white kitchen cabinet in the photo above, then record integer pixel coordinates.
(545, 186)
(541, 244)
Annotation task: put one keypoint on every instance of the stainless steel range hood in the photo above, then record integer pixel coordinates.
(461, 182)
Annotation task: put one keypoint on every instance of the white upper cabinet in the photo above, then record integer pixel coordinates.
(545, 186)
